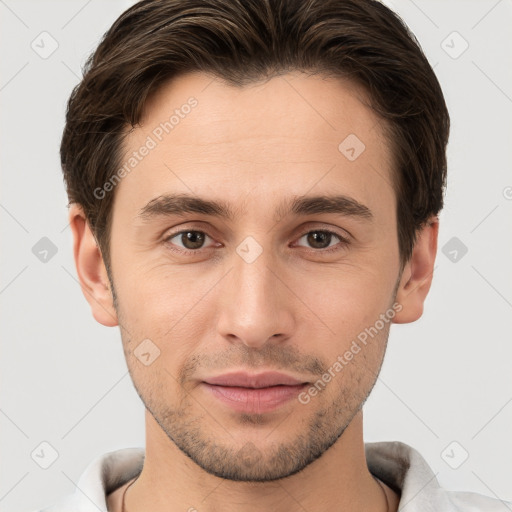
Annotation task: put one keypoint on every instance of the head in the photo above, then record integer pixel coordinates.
(255, 186)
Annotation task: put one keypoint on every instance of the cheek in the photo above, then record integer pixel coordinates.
(170, 310)
(157, 296)
(350, 304)
(347, 300)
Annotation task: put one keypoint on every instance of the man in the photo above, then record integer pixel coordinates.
(254, 189)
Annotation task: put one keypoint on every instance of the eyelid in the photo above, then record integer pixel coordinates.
(341, 233)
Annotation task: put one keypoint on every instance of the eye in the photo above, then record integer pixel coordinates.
(321, 239)
(191, 240)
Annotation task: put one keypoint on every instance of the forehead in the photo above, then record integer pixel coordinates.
(291, 133)
(289, 105)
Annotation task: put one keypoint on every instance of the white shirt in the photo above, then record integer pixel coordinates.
(397, 464)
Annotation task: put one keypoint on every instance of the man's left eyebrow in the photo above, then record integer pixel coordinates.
(328, 204)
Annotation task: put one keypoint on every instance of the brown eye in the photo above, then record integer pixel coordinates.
(321, 239)
(189, 240)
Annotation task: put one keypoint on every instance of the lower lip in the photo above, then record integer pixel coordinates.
(256, 401)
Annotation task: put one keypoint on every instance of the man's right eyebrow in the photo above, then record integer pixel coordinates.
(180, 204)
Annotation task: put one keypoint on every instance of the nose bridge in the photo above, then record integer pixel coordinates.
(255, 305)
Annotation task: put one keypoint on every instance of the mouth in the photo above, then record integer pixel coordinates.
(257, 393)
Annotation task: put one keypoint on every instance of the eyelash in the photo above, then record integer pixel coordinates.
(343, 241)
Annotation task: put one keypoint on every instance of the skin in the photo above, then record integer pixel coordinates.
(294, 309)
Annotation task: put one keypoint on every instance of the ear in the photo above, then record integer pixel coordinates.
(91, 270)
(417, 274)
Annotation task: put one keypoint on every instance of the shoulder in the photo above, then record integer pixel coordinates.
(102, 476)
(404, 469)
(474, 502)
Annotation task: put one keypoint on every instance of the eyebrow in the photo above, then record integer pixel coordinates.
(181, 204)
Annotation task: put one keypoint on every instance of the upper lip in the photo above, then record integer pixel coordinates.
(247, 380)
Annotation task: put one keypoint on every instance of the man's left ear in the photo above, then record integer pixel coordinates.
(417, 274)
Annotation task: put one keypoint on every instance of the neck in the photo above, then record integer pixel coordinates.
(338, 480)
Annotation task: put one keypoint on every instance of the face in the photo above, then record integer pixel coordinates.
(293, 258)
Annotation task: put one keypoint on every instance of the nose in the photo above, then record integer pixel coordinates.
(256, 303)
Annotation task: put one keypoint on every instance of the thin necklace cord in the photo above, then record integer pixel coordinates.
(378, 481)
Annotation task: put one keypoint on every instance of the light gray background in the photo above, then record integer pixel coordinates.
(64, 379)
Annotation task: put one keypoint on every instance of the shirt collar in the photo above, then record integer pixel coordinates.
(397, 464)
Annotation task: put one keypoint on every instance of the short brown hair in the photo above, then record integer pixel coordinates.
(245, 41)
